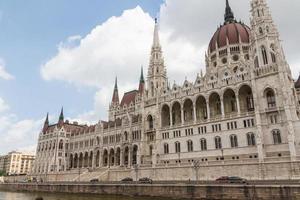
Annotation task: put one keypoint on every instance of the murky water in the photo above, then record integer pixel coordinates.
(60, 196)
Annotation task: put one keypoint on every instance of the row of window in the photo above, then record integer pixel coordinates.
(251, 141)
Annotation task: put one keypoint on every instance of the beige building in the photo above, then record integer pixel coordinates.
(16, 163)
(239, 118)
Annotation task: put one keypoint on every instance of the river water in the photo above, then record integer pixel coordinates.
(60, 196)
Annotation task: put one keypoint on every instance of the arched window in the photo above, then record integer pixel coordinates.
(150, 122)
(260, 30)
(126, 136)
(233, 141)
(276, 136)
(271, 101)
(203, 144)
(251, 139)
(218, 142)
(177, 147)
(256, 64)
(264, 55)
(61, 144)
(166, 148)
(273, 57)
(190, 145)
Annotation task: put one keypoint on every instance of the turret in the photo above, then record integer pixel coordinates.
(46, 123)
(115, 98)
(142, 83)
(61, 118)
(157, 75)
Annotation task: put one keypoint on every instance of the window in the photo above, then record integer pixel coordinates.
(276, 137)
(271, 101)
(264, 55)
(251, 139)
(203, 144)
(166, 148)
(249, 123)
(233, 141)
(177, 147)
(273, 57)
(218, 142)
(216, 127)
(190, 145)
(202, 130)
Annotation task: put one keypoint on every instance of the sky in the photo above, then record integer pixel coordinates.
(67, 53)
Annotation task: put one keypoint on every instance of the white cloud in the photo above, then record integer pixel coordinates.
(17, 134)
(122, 44)
(3, 73)
(3, 105)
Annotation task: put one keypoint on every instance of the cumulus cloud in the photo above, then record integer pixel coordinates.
(122, 44)
(17, 134)
(3, 73)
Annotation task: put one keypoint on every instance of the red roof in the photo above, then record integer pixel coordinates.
(129, 97)
(233, 31)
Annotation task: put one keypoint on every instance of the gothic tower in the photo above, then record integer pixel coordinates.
(157, 75)
(272, 79)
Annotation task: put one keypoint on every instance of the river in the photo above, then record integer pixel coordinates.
(60, 196)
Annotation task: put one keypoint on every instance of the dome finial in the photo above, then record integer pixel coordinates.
(229, 16)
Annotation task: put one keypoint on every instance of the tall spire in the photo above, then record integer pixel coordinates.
(156, 36)
(46, 124)
(115, 98)
(229, 16)
(142, 82)
(61, 116)
(47, 119)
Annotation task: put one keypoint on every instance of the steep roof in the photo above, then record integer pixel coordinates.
(129, 97)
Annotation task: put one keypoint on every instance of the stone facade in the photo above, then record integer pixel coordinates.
(242, 114)
(15, 163)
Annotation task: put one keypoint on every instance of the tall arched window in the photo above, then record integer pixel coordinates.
(256, 64)
(190, 145)
(126, 136)
(177, 147)
(233, 141)
(273, 57)
(271, 101)
(251, 139)
(61, 144)
(264, 55)
(166, 148)
(218, 142)
(203, 144)
(150, 122)
(276, 136)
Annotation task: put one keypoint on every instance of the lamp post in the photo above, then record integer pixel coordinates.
(196, 166)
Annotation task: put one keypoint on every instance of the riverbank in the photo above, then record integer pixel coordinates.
(174, 191)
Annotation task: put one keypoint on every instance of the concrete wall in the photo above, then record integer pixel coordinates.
(178, 191)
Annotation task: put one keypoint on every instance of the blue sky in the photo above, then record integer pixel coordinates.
(29, 34)
(68, 52)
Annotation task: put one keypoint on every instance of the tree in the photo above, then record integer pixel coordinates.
(2, 173)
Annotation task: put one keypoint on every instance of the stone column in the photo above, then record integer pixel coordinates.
(238, 104)
(100, 159)
(194, 112)
(222, 107)
(122, 157)
(129, 157)
(171, 118)
(182, 116)
(207, 109)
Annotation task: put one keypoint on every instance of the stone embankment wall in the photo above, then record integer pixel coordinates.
(174, 191)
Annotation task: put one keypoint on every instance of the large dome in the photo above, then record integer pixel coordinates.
(234, 31)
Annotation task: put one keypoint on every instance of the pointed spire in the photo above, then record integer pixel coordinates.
(115, 98)
(156, 36)
(47, 119)
(229, 16)
(61, 116)
(142, 82)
